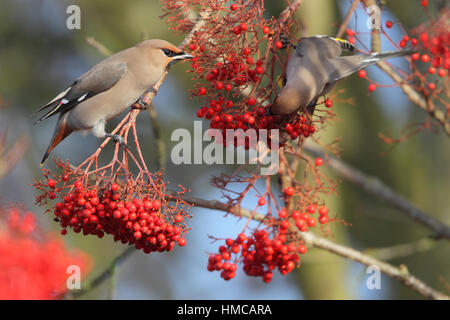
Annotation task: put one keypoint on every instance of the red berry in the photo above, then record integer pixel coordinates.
(261, 201)
(259, 70)
(372, 87)
(389, 24)
(362, 73)
(192, 47)
(311, 222)
(415, 56)
(246, 51)
(289, 191)
(251, 101)
(311, 208)
(424, 3)
(442, 72)
(51, 183)
(319, 162)
(402, 44)
(425, 58)
(181, 242)
(350, 32)
(302, 249)
(236, 30)
(243, 26)
(432, 86)
(282, 214)
(114, 187)
(202, 91)
(234, 7)
(431, 70)
(278, 44)
(328, 103)
(266, 30)
(219, 85)
(323, 211)
(323, 219)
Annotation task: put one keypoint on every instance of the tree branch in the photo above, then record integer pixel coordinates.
(400, 274)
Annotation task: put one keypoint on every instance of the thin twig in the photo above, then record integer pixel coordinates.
(100, 47)
(105, 275)
(347, 19)
(401, 250)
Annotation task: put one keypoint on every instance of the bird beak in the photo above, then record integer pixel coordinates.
(182, 56)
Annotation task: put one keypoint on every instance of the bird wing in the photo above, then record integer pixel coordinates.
(322, 45)
(99, 79)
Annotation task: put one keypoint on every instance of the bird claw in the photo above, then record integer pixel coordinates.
(139, 105)
(118, 139)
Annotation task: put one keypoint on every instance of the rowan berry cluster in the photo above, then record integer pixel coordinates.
(33, 264)
(276, 247)
(238, 56)
(132, 213)
(433, 43)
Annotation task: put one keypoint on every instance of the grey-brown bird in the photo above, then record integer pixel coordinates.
(105, 91)
(314, 68)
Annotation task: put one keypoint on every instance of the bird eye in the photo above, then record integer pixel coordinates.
(168, 52)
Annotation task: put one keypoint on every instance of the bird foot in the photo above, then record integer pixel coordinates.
(139, 105)
(286, 43)
(118, 139)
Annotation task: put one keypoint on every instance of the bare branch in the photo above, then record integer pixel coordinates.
(374, 186)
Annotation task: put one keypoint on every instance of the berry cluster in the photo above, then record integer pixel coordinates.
(143, 219)
(266, 250)
(259, 253)
(33, 265)
(434, 43)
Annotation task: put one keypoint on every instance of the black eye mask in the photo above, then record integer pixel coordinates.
(169, 52)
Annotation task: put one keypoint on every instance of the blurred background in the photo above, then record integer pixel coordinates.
(39, 57)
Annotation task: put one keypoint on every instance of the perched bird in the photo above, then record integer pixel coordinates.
(315, 67)
(111, 86)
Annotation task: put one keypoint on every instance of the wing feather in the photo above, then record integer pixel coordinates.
(99, 79)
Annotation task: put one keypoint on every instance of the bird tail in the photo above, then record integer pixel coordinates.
(354, 63)
(61, 132)
(377, 57)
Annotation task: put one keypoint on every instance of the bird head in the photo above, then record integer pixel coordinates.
(163, 52)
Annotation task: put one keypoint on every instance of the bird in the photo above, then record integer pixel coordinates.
(108, 89)
(314, 68)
